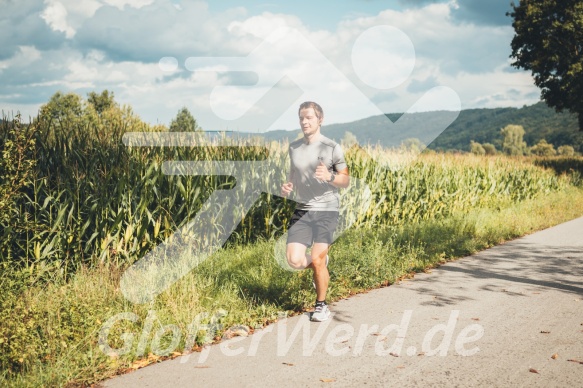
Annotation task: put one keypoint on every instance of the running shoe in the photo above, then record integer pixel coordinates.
(321, 313)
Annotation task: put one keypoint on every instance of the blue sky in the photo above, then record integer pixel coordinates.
(356, 57)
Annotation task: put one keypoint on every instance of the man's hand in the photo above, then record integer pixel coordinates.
(286, 189)
(322, 172)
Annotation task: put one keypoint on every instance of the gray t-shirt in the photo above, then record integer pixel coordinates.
(310, 193)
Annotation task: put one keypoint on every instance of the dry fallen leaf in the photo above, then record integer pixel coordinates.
(532, 370)
(555, 356)
(421, 354)
(475, 319)
(327, 380)
(237, 330)
(394, 354)
(287, 363)
(140, 363)
(545, 332)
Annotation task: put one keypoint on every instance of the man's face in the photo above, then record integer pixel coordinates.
(309, 121)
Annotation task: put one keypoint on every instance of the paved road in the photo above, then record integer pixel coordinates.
(492, 319)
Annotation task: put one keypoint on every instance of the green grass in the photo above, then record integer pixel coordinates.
(54, 330)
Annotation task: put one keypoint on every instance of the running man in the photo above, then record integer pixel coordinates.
(318, 170)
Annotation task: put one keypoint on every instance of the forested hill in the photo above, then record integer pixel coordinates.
(480, 125)
(483, 126)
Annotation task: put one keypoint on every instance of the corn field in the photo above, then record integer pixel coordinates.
(77, 195)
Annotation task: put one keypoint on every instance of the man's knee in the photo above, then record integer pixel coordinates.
(319, 257)
(296, 261)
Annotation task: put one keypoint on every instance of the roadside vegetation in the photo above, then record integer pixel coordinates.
(77, 207)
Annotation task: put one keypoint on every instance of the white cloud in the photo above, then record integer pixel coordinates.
(55, 15)
(81, 9)
(160, 30)
(495, 89)
(24, 57)
(265, 25)
(67, 15)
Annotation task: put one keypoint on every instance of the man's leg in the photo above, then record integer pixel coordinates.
(318, 265)
(299, 238)
(324, 228)
(298, 259)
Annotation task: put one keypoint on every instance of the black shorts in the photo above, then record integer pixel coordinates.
(312, 226)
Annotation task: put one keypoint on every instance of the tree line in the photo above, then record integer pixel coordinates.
(514, 145)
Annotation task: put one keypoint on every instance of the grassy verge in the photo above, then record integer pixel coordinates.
(54, 331)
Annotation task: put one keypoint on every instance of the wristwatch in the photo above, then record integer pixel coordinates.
(332, 176)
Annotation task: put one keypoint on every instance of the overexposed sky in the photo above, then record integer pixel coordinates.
(247, 65)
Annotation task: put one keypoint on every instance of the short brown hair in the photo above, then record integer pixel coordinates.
(317, 109)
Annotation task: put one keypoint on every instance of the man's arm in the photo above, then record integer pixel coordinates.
(342, 179)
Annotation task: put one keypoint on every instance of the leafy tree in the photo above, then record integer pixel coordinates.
(184, 122)
(349, 140)
(100, 117)
(101, 102)
(476, 148)
(549, 43)
(62, 107)
(63, 113)
(489, 148)
(413, 145)
(566, 150)
(513, 143)
(543, 149)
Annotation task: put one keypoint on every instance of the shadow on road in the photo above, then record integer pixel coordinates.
(547, 266)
